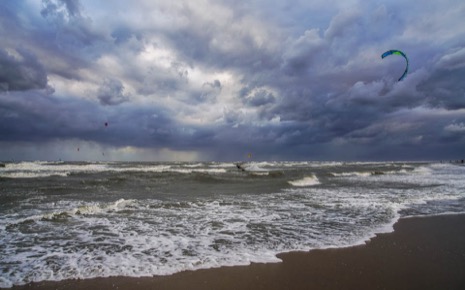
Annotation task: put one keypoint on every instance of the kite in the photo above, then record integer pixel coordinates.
(397, 52)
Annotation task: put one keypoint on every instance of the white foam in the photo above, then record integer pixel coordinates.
(201, 170)
(194, 165)
(306, 181)
(33, 174)
(221, 165)
(425, 170)
(254, 167)
(46, 169)
(353, 173)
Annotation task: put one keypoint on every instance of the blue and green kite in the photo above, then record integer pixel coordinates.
(397, 52)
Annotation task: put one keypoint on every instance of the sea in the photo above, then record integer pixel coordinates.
(79, 220)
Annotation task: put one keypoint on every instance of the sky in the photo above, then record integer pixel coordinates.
(202, 80)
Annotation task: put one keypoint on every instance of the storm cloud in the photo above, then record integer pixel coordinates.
(111, 92)
(216, 80)
(20, 71)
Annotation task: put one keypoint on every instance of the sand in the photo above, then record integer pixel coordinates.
(422, 253)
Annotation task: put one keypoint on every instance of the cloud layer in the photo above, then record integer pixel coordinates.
(216, 80)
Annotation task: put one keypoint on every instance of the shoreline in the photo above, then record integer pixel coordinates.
(421, 253)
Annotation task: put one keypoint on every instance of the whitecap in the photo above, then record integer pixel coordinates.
(306, 181)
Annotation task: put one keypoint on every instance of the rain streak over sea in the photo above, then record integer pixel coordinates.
(62, 220)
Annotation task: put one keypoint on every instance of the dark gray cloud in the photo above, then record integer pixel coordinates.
(20, 70)
(223, 78)
(210, 90)
(257, 97)
(111, 92)
(73, 31)
(61, 10)
(36, 116)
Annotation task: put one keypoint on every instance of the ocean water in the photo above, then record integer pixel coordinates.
(62, 220)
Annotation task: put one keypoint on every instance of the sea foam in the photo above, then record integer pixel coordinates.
(306, 181)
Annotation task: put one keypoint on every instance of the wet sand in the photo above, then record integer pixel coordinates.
(422, 253)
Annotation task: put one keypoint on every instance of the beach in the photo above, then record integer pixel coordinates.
(421, 253)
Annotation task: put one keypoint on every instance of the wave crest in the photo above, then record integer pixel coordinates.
(306, 181)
